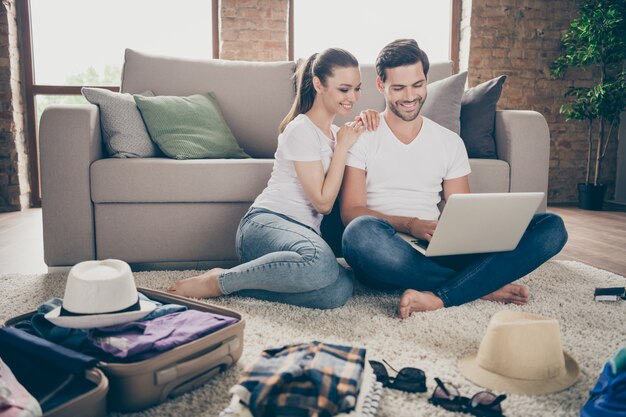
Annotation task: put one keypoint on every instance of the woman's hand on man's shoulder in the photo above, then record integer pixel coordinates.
(349, 133)
(370, 119)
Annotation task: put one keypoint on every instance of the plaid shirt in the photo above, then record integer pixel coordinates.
(309, 379)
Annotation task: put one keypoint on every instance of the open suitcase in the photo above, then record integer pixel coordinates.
(139, 385)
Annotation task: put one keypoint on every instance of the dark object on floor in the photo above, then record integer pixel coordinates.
(407, 379)
(610, 294)
(482, 404)
(590, 196)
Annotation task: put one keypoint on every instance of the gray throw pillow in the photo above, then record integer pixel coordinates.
(443, 104)
(123, 131)
(478, 117)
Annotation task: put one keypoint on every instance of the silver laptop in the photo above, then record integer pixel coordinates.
(480, 223)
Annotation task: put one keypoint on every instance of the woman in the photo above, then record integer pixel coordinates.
(278, 240)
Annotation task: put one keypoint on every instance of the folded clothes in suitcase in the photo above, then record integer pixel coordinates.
(138, 385)
(63, 382)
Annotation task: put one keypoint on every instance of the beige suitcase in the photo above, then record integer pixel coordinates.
(139, 385)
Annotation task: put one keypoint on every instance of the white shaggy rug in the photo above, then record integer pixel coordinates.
(591, 332)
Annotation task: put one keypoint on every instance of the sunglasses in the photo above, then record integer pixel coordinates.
(482, 404)
(406, 379)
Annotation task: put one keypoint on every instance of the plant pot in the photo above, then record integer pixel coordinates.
(591, 197)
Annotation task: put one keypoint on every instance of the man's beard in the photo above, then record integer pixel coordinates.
(407, 117)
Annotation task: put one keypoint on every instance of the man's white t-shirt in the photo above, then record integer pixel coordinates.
(406, 179)
(301, 140)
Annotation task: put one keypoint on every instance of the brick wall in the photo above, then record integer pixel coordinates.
(254, 30)
(14, 185)
(521, 38)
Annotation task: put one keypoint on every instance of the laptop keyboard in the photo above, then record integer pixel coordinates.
(421, 243)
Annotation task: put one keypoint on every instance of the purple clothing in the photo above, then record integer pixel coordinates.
(147, 338)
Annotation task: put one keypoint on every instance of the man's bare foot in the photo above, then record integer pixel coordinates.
(200, 286)
(510, 294)
(412, 301)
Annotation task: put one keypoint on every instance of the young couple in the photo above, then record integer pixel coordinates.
(398, 162)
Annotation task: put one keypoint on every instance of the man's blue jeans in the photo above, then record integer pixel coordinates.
(381, 258)
(285, 261)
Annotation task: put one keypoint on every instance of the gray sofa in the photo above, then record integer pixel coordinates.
(160, 210)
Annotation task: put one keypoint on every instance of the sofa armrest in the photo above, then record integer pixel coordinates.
(69, 140)
(523, 140)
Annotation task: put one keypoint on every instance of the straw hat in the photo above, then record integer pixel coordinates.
(521, 353)
(99, 294)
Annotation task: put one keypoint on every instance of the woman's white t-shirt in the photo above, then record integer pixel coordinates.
(406, 179)
(301, 140)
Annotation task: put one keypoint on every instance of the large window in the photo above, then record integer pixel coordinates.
(71, 43)
(363, 28)
(82, 41)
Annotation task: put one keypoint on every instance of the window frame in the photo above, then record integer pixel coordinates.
(32, 89)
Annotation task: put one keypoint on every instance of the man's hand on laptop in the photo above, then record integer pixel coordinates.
(421, 229)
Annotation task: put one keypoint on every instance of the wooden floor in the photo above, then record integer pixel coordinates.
(21, 242)
(595, 238)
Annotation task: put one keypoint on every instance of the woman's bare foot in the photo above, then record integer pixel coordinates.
(510, 294)
(200, 286)
(412, 301)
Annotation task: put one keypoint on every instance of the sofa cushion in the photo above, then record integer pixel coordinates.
(259, 91)
(188, 127)
(443, 103)
(478, 115)
(171, 232)
(163, 180)
(123, 131)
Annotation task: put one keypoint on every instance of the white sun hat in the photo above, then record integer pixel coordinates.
(99, 294)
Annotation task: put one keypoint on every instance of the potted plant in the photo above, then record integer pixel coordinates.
(595, 42)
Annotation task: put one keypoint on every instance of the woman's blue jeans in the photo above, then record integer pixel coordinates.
(285, 261)
(381, 258)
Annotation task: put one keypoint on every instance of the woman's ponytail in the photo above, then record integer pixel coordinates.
(305, 92)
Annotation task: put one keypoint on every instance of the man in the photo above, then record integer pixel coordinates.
(392, 184)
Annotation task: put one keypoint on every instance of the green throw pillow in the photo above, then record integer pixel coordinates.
(188, 127)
